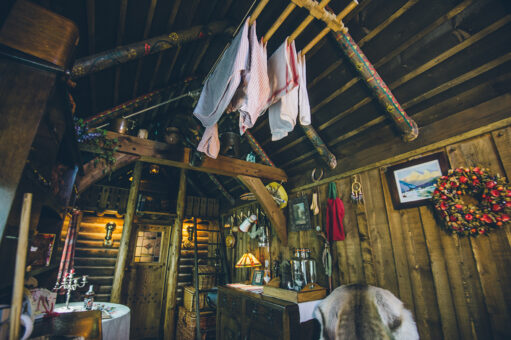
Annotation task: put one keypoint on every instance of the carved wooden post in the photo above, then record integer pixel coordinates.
(380, 90)
(122, 256)
(124, 54)
(173, 262)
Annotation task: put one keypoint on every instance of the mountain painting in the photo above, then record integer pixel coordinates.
(417, 182)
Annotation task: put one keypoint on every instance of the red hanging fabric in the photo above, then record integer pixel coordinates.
(68, 252)
(334, 215)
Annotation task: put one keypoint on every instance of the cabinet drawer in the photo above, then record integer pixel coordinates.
(264, 316)
(230, 304)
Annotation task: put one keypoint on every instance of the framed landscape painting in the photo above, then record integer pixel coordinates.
(412, 183)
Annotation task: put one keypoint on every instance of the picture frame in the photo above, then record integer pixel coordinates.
(411, 183)
(258, 277)
(299, 217)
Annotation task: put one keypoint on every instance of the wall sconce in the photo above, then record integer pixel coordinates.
(154, 169)
(110, 227)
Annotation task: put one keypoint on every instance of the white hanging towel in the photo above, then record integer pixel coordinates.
(283, 113)
(210, 144)
(257, 84)
(219, 89)
(282, 71)
(303, 96)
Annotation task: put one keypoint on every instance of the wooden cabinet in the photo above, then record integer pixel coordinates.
(249, 316)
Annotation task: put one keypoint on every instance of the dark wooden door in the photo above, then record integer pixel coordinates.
(144, 281)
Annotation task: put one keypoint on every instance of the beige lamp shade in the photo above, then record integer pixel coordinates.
(248, 260)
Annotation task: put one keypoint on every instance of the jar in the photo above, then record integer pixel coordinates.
(296, 270)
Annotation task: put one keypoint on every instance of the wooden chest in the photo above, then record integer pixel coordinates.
(245, 315)
(189, 299)
(186, 326)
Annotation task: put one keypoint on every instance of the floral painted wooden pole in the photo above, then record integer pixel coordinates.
(320, 146)
(406, 125)
(123, 54)
(257, 148)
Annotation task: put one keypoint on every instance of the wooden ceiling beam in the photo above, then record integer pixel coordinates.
(160, 153)
(458, 9)
(91, 27)
(95, 170)
(147, 29)
(106, 59)
(222, 189)
(120, 37)
(170, 24)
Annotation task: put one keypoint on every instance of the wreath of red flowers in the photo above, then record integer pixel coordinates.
(492, 193)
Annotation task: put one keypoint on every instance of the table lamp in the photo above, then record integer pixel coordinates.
(248, 260)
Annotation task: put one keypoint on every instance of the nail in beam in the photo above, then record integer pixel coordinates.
(122, 256)
(173, 260)
(123, 54)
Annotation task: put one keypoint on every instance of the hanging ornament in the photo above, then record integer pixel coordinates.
(356, 190)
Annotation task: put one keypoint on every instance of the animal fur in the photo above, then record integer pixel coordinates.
(362, 312)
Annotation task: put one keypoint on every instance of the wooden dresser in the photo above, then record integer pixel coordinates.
(243, 315)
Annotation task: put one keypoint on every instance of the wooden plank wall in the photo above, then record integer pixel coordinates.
(456, 287)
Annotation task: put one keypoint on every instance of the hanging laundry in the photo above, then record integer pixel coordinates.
(303, 96)
(210, 144)
(257, 84)
(334, 215)
(220, 87)
(283, 114)
(282, 71)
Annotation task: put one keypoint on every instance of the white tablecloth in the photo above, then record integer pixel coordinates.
(306, 309)
(116, 328)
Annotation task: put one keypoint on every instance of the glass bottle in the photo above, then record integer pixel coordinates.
(88, 300)
(306, 266)
(296, 270)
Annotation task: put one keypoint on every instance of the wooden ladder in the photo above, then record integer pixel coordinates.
(219, 261)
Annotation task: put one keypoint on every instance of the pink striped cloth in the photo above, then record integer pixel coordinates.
(257, 84)
(282, 71)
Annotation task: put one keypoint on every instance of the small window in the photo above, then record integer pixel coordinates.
(148, 246)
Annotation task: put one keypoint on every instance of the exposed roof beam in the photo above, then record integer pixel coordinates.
(160, 153)
(91, 24)
(147, 29)
(222, 189)
(103, 60)
(120, 36)
(95, 171)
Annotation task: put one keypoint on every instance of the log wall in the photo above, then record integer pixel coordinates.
(456, 287)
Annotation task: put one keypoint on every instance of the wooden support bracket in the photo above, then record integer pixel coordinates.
(276, 216)
(164, 154)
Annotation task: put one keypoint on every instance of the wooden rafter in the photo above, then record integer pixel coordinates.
(147, 29)
(106, 59)
(159, 153)
(452, 13)
(91, 23)
(120, 36)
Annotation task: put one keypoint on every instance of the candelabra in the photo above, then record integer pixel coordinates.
(70, 283)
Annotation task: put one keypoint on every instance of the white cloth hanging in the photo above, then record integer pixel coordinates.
(257, 89)
(283, 114)
(282, 71)
(219, 90)
(304, 108)
(210, 144)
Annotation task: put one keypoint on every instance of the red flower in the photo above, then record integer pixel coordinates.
(436, 192)
(443, 197)
(496, 207)
(459, 206)
(505, 218)
(495, 192)
(453, 218)
(476, 169)
(463, 179)
(443, 206)
(490, 184)
(476, 182)
(481, 231)
(508, 204)
(508, 193)
(454, 184)
(473, 230)
(486, 218)
(469, 217)
(459, 170)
